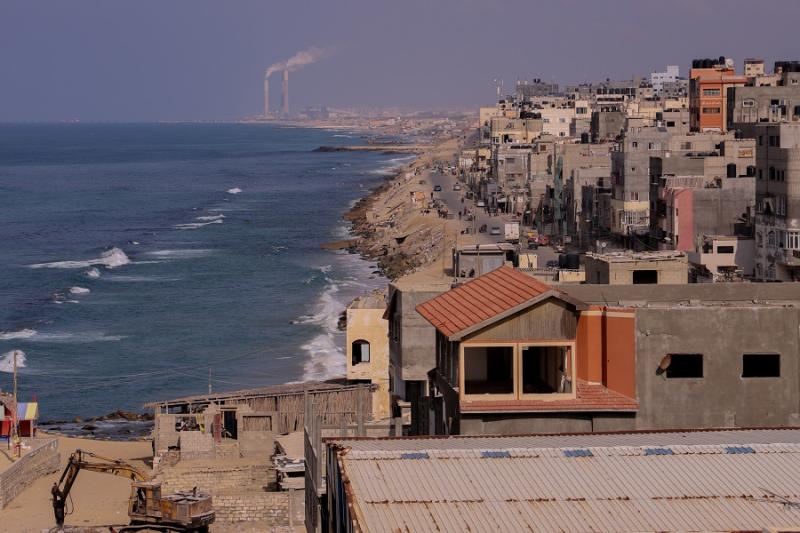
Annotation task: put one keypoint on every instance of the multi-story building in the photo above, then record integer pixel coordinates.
(722, 258)
(709, 81)
(657, 79)
(777, 226)
(766, 103)
(753, 67)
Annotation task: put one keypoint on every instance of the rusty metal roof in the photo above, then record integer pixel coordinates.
(721, 485)
(487, 298)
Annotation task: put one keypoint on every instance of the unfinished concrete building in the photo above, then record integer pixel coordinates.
(637, 268)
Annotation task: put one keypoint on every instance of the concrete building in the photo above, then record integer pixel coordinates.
(367, 349)
(722, 258)
(753, 67)
(748, 105)
(657, 79)
(516, 356)
(777, 230)
(723, 480)
(634, 268)
(504, 130)
(709, 82)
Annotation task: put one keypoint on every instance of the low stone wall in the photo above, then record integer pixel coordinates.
(215, 479)
(43, 459)
(271, 508)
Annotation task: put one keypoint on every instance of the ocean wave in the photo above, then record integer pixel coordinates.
(209, 218)
(196, 225)
(393, 165)
(75, 338)
(188, 253)
(7, 361)
(141, 279)
(78, 290)
(112, 258)
(92, 273)
(325, 268)
(326, 357)
(21, 334)
(234, 190)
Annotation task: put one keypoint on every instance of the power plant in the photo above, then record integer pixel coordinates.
(296, 62)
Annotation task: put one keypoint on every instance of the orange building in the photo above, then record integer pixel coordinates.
(709, 81)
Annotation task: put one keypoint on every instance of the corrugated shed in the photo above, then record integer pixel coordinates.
(481, 299)
(711, 487)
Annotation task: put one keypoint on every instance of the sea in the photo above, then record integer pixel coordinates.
(143, 262)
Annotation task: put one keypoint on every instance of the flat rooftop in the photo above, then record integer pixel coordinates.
(376, 300)
(629, 256)
(737, 480)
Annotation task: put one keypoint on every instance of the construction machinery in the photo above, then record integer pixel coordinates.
(185, 511)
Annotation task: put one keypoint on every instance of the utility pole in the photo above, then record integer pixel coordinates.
(15, 450)
(209, 379)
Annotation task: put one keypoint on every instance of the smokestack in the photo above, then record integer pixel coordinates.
(285, 102)
(266, 95)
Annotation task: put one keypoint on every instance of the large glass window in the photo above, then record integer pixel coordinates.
(489, 370)
(546, 370)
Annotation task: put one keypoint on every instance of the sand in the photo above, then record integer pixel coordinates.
(99, 499)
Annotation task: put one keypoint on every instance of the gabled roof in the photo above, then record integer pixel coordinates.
(487, 299)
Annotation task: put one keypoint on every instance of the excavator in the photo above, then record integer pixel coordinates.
(185, 511)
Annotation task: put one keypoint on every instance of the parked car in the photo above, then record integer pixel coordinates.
(480, 203)
(456, 187)
(482, 229)
(437, 188)
(533, 245)
(552, 264)
(495, 230)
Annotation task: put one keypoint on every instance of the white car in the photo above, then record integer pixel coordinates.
(480, 203)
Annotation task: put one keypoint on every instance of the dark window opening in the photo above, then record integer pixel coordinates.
(685, 365)
(360, 351)
(761, 365)
(724, 249)
(645, 277)
(489, 370)
(546, 370)
(230, 424)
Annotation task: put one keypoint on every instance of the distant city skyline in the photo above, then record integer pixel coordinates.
(96, 60)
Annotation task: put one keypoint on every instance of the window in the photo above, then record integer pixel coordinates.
(360, 351)
(771, 238)
(711, 111)
(724, 249)
(645, 277)
(670, 123)
(686, 146)
(771, 173)
(711, 92)
(758, 239)
(748, 102)
(634, 144)
(761, 365)
(489, 370)
(684, 365)
(546, 370)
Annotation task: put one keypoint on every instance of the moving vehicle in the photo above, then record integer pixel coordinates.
(437, 188)
(512, 232)
(495, 230)
(185, 511)
(482, 229)
(456, 187)
(480, 203)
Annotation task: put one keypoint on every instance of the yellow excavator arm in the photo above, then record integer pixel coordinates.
(83, 460)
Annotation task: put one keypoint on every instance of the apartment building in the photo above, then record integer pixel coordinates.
(709, 82)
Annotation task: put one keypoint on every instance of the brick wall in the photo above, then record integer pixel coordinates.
(216, 479)
(271, 508)
(43, 459)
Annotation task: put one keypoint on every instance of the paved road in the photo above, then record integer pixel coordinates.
(452, 199)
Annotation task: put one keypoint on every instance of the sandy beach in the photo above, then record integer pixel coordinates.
(97, 498)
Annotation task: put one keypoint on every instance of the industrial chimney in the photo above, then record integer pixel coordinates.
(285, 103)
(266, 95)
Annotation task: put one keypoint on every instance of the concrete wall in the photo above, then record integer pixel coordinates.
(721, 398)
(217, 477)
(369, 325)
(670, 272)
(43, 459)
(412, 352)
(267, 508)
(520, 424)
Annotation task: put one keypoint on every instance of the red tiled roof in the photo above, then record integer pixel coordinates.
(482, 298)
(589, 397)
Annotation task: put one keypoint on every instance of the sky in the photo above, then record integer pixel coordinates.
(147, 60)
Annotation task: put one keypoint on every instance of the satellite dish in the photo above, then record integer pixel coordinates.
(663, 365)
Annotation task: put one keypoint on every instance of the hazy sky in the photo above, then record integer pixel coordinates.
(202, 59)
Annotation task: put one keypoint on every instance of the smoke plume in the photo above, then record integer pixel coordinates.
(299, 60)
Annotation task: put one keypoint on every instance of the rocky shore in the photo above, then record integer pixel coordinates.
(388, 228)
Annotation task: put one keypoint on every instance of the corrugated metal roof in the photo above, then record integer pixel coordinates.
(488, 296)
(605, 488)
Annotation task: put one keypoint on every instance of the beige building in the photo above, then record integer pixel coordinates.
(637, 268)
(723, 258)
(368, 349)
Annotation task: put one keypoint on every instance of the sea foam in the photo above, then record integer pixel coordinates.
(78, 290)
(196, 225)
(234, 190)
(112, 258)
(7, 361)
(21, 334)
